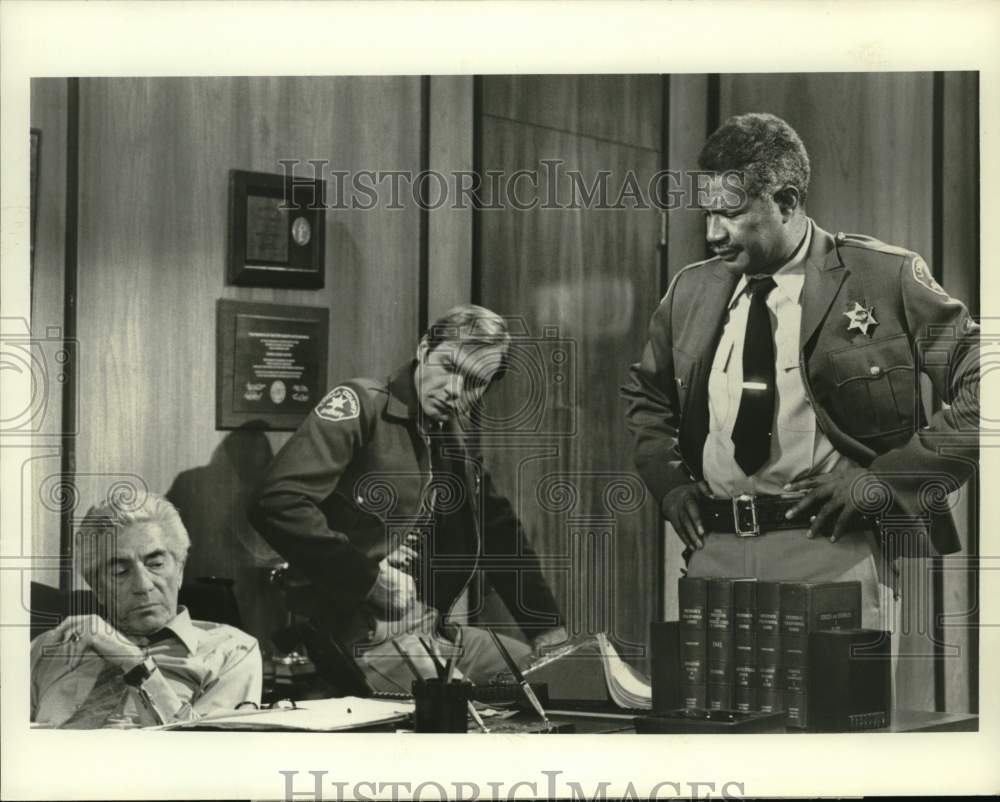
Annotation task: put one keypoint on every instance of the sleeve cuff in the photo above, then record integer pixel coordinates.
(161, 699)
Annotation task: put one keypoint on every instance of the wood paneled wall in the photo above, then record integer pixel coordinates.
(582, 282)
(450, 227)
(49, 115)
(869, 138)
(155, 157)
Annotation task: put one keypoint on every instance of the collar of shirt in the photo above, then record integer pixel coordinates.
(179, 626)
(403, 402)
(789, 278)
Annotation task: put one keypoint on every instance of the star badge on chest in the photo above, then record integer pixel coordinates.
(862, 318)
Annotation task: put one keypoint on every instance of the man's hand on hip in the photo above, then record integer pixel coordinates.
(394, 591)
(832, 497)
(680, 507)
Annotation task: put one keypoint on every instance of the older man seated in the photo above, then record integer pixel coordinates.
(147, 661)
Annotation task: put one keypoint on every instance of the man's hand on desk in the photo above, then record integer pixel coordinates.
(80, 633)
(394, 591)
(832, 499)
(680, 507)
(547, 640)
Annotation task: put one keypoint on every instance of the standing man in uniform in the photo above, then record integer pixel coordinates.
(379, 500)
(776, 408)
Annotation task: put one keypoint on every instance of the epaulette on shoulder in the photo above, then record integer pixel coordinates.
(373, 387)
(681, 272)
(869, 244)
(696, 264)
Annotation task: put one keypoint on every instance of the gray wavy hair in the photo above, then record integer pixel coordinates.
(105, 520)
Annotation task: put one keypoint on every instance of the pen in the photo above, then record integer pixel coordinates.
(434, 658)
(519, 678)
(409, 663)
(477, 718)
(450, 666)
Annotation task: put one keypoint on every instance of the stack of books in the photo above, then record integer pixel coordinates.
(744, 643)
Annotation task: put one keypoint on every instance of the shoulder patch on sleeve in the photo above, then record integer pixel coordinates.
(923, 276)
(341, 403)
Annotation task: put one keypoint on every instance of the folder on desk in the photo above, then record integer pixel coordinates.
(312, 715)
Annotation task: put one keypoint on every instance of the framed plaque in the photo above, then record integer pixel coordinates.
(277, 231)
(270, 363)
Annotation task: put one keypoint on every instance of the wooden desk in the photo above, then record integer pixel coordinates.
(925, 721)
(903, 721)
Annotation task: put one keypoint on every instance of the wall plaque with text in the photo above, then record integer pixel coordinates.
(271, 363)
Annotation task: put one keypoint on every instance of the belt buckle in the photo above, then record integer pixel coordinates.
(745, 516)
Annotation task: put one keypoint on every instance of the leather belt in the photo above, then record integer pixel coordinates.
(750, 516)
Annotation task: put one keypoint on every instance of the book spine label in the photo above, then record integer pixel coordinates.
(720, 697)
(720, 644)
(694, 697)
(768, 647)
(769, 698)
(745, 691)
(794, 644)
(744, 646)
(692, 593)
(795, 707)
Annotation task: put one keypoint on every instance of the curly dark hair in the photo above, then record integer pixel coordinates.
(764, 148)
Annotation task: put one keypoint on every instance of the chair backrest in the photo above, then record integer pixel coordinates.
(207, 599)
(49, 606)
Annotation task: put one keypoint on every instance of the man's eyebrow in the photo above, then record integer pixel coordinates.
(155, 553)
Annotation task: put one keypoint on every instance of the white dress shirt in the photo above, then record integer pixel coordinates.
(798, 446)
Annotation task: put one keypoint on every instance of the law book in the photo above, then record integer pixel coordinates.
(692, 598)
(721, 643)
(744, 646)
(768, 643)
(809, 607)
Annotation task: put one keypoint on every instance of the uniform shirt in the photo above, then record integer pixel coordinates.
(204, 669)
(798, 446)
(356, 475)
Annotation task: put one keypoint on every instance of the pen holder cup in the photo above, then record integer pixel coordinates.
(441, 706)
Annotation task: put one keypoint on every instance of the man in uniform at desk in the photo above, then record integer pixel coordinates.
(788, 364)
(378, 500)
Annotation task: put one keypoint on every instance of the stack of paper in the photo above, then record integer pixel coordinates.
(627, 687)
(312, 715)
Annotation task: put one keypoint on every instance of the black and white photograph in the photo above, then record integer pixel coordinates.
(447, 427)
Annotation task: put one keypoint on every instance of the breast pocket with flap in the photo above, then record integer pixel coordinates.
(875, 387)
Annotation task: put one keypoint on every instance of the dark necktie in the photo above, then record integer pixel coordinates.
(107, 697)
(418, 537)
(752, 432)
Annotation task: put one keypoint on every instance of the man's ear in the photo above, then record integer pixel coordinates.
(788, 200)
(422, 350)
